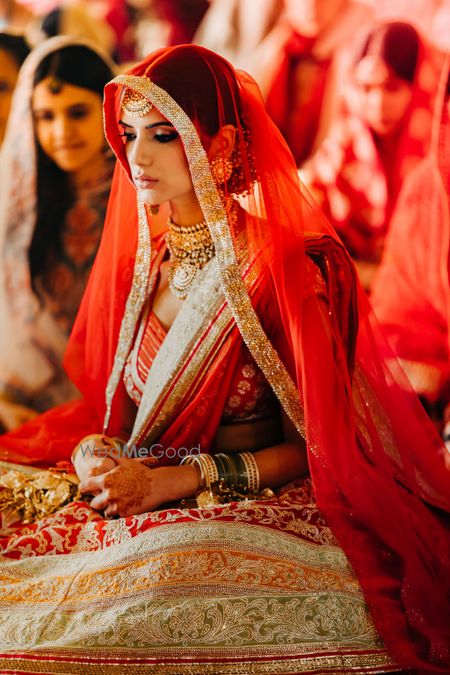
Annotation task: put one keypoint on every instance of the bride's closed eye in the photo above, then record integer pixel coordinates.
(128, 136)
(167, 137)
(159, 137)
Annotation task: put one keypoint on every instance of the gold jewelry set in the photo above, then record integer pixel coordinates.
(190, 247)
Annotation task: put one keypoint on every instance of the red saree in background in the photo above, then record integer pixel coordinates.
(356, 176)
(377, 466)
(411, 294)
(307, 74)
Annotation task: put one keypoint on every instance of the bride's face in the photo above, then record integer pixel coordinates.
(156, 156)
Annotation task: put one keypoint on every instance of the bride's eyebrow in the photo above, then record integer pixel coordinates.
(150, 126)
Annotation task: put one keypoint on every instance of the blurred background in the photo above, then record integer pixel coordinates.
(132, 28)
(360, 91)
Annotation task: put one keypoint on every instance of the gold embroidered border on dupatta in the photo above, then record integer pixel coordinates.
(364, 395)
(233, 286)
(133, 308)
(198, 332)
(180, 356)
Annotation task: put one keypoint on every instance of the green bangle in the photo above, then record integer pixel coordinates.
(232, 470)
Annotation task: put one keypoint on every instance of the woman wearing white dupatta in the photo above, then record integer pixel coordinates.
(51, 218)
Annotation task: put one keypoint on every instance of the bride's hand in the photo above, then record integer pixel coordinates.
(87, 461)
(131, 488)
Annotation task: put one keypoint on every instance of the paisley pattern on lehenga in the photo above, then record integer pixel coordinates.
(261, 586)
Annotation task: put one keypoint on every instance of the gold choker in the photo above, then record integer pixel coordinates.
(190, 248)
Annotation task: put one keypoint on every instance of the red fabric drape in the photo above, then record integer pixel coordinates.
(377, 465)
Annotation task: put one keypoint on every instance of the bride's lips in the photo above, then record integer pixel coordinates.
(145, 182)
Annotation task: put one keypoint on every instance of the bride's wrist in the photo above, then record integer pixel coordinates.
(184, 482)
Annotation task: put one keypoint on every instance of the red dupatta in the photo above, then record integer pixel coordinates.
(377, 465)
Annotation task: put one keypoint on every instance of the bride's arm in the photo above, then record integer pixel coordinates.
(131, 488)
(284, 462)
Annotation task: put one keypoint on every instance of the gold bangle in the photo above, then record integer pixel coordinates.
(252, 470)
(210, 469)
(206, 467)
(191, 460)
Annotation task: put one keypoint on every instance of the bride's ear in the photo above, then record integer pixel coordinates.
(222, 143)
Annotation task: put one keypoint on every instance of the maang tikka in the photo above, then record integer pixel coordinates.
(135, 104)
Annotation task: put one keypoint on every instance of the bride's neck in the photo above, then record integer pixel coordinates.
(186, 211)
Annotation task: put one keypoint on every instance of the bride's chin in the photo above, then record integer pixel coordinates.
(148, 196)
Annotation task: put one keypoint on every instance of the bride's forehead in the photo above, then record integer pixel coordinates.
(151, 117)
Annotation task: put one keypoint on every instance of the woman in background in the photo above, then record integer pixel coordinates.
(56, 175)
(383, 130)
(302, 65)
(411, 291)
(76, 21)
(13, 52)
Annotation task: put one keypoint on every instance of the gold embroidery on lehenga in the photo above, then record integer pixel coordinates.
(353, 663)
(205, 589)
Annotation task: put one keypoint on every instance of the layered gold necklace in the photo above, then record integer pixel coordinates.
(190, 248)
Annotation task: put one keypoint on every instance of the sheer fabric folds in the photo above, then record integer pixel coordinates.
(377, 466)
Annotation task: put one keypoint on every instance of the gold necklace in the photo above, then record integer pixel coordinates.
(190, 248)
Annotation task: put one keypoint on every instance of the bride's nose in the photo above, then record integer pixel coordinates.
(139, 152)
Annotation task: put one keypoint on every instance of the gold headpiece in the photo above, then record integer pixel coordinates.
(135, 104)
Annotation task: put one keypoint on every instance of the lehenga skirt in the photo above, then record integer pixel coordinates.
(247, 587)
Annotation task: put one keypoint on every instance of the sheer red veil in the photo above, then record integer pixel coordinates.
(376, 463)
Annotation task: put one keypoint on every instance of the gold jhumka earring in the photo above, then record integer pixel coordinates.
(221, 170)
